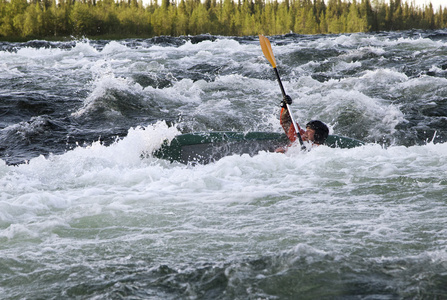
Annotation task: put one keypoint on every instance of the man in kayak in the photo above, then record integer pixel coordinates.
(316, 131)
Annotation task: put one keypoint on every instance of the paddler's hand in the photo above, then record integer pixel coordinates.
(286, 100)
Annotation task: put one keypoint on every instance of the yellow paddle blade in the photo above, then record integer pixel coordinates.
(267, 50)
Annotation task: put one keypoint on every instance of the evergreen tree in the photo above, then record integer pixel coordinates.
(366, 14)
(355, 21)
(182, 25)
(310, 20)
(82, 18)
(429, 17)
(334, 17)
(12, 17)
(225, 20)
(199, 22)
(284, 17)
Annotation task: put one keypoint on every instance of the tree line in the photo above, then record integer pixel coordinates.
(130, 18)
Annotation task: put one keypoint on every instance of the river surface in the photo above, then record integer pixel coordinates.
(85, 213)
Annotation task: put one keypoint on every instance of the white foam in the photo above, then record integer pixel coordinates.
(38, 53)
(268, 195)
(114, 47)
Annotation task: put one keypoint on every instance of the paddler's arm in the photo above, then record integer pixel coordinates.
(286, 121)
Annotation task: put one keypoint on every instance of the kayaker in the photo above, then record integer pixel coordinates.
(316, 131)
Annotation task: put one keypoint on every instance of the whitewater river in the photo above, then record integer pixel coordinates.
(86, 212)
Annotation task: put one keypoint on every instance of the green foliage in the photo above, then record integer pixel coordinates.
(58, 18)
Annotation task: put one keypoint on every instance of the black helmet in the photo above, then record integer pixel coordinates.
(321, 131)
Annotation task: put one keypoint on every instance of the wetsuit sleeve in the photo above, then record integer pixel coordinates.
(286, 123)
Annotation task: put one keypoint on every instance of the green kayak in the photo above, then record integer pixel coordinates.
(206, 147)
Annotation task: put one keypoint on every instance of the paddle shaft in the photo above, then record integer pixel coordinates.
(268, 53)
(288, 108)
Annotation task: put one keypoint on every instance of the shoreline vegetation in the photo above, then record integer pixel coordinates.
(22, 20)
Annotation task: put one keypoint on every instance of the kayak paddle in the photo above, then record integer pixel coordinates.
(268, 53)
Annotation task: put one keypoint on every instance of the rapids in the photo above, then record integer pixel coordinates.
(87, 213)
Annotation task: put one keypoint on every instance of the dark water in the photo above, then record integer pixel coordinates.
(83, 215)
